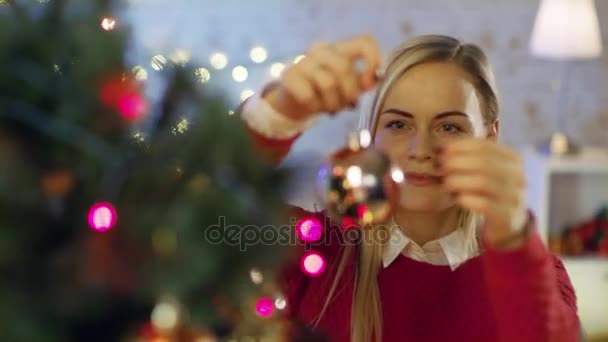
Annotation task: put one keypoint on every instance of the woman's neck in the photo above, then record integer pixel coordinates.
(424, 226)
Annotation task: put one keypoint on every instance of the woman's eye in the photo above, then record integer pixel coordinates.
(395, 124)
(450, 128)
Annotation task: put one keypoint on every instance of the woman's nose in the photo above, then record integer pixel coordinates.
(421, 146)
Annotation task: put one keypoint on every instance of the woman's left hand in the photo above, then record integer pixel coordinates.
(488, 178)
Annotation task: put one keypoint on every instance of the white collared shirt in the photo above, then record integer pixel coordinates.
(452, 249)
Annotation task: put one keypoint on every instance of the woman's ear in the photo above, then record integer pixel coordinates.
(493, 130)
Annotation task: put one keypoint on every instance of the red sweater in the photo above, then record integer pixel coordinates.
(519, 295)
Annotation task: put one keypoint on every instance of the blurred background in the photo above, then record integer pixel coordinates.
(64, 150)
(243, 45)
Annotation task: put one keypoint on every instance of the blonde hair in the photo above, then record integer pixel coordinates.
(366, 314)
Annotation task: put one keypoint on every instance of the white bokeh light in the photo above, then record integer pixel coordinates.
(276, 70)
(258, 54)
(218, 60)
(240, 73)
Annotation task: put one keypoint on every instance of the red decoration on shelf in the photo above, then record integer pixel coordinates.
(587, 238)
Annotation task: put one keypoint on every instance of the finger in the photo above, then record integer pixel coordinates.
(471, 183)
(363, 47)
(298, 87)
(493, 212)
(326, 87)
(508, 172)
(324, 84)
(478, 146)
(343, 70)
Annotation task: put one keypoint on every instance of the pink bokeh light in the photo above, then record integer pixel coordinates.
(313, 263)
(102, 216)
(264, 307)
(132, 106)
(309, 229)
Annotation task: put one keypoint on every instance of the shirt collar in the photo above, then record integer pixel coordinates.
(453, 245)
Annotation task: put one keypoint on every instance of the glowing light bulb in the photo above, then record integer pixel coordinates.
(158, 62)
(108, 23)
(309, 229)
(313, 263)
(203, 75)
(218, 60)
(258, 54)
(280, 303)
(239, 73)
(264, 307)
(132, 106)
(102, 216)
(256, 276)
(140, 73)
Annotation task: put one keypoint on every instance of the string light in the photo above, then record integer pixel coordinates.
(256, 276)
(132, 106)
(158, 62)
(309, 229)
(203, 75)
(180, 56)
(276, 70)
(264, 307)
(245, 94)
(102, 216)
(218, 60)
(258, 54)
(108, 23)
(140, 73)
(165, 316)
(280, 303)
(181, 127)
(312, 263)
(239, 73)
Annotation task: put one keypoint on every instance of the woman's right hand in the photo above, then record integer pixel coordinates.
(327, 79)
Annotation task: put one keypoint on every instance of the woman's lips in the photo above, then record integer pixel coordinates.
(422, 179)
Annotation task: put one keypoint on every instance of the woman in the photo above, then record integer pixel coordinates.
(445, 274)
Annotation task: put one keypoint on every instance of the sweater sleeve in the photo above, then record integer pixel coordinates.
(271, 132)
(531, 293)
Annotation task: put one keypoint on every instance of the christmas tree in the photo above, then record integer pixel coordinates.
(111, 201)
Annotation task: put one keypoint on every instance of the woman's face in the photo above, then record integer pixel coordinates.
(430, 105)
